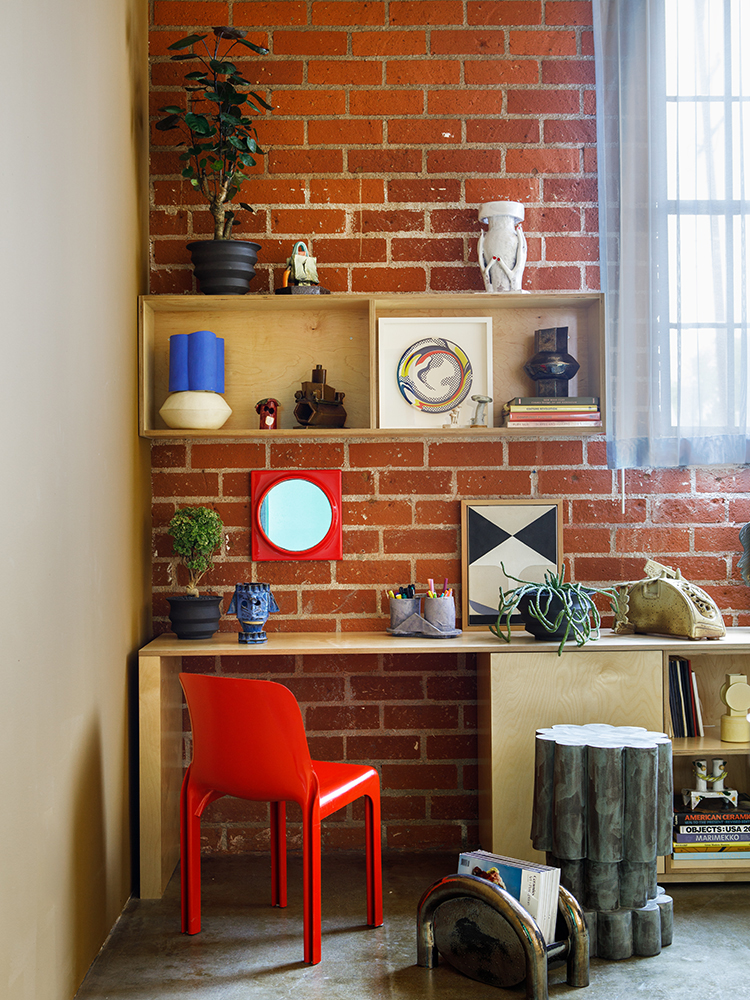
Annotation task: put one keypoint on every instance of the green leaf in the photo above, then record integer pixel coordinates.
(197, 74)
(167, 124)
(247, 160)
(220, 66)
(198, 123)
(185, 55)
(256, 48)
(266, 105)
(172, 109)
(183, 43)
(244, 204)
(224, 31)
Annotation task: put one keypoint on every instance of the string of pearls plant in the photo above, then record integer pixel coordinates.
(554, 603)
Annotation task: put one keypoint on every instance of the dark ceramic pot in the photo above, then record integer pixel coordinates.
(534, 626)
(224, 267)
(194, 617)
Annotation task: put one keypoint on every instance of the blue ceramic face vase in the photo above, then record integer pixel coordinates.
(252, 603)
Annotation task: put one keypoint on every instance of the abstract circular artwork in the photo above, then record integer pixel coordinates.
(434, 375)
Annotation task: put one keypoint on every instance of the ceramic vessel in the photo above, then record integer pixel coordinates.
(224, 267)
(194, 617)
(195, 410)
(502, 249)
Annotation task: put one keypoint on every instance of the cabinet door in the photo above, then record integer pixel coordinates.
(522, 692)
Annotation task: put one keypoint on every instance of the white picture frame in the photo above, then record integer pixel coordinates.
(396, 335)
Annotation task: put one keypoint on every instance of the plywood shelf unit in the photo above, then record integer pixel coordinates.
(272, 343)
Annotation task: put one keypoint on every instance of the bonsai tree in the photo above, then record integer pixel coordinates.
(565, 610)
(220, 138)
(198, 533)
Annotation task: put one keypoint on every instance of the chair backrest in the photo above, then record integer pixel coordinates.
(248, 738)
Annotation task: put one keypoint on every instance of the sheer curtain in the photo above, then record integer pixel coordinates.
(673, 123)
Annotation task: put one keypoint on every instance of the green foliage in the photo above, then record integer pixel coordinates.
(198, 533)
(577, 610)
(220, 138)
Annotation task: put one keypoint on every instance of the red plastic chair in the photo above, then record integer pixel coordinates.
(249, 741)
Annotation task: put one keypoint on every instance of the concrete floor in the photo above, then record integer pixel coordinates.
(247, 949)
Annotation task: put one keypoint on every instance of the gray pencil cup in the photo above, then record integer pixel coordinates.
(403, 608)
(440, 612)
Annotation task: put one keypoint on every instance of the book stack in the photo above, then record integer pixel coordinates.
(536, 887)
(553, 411)
(708, 833)
(684, 703)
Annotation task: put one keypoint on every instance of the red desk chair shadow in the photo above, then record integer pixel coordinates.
(249, 741)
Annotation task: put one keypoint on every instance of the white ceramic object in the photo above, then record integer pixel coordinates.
(502, 249)
(195, 411)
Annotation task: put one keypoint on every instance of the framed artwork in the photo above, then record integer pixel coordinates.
(429, 367)
(520, 538)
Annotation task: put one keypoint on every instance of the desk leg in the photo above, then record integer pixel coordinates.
(160, 760)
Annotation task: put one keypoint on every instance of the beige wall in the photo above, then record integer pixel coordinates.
(73, 484)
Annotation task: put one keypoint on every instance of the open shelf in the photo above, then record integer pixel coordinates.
(272, 343)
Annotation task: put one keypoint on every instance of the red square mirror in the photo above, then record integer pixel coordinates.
(296, 514)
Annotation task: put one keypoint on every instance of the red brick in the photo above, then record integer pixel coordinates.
(382, 573)
(572, 248)
(378, 512)
(168, 456)
(454, 454)
(559, 279)
(184, 484)
(292, 573)
(189, 13)
(738, 511)
(281, 132)
(500, 483)
(452, 688)
(607, 570)
(589, 102)
(349, 251)
(456, 279)
(658, 481)
(543, 161)
(388, 43)
(493, 72)
(315, 102)
(414, 482)
(693, 510)
(561, 72)
(568, 12)
(349, 192)
(173, 223)
(426, 72)
(502, 130)
(385, 161)
(355, 132)
(454, 220)
(375, 221)
(543, 102)
(398, 102)
(343, 717)
(309, 43)
(651, 540)
(546, 453)
(422, 190)
(403, 807)
(427, 249)
(542, 43)
(372, 455)
(464, 161)
(575, 189)
(465, 102)
(606, 511)
(444, 512)
(454, 807)
(281, 12)
(307, 455)
(294, 161)
(338, 602)
(366, 12)
(504, 12)
(360, 543)
(420, 540)
(428, 131)
(737, 481)
(419, 776)
(474, 43)
(420, 717)
(737, 596)
(170, 282)
(413, 12)
(579, 481)
(358, 484)
(317, 663)
(481, 189)
(451, 747)
(428, 836)
(407, 279)
(545, 219)
(717, 539)
(342, 73)
(387, 689)
(237, 455)
(576, 130)
(295, 221)
(236, 484)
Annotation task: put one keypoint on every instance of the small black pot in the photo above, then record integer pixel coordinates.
(194, 617)
(224, 267)
(534, 626)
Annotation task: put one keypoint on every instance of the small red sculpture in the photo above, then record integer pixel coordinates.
(268, 410)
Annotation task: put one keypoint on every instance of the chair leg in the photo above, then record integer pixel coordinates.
(311, 879)
(373, 861)
(190, 858)
(278, 854)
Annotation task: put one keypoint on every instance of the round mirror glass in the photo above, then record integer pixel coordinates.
(295, 515)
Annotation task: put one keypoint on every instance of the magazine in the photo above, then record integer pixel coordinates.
(536, 887)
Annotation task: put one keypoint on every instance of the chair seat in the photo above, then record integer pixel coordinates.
(340, 784)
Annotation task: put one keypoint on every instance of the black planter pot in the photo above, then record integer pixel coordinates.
(194, 617)
(534, 626)
(224, 267)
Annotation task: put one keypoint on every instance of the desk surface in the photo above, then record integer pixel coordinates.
(280, 643)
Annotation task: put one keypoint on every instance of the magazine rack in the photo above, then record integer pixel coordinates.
(485, 933)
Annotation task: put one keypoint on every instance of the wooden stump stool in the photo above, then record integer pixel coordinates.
(603, 813)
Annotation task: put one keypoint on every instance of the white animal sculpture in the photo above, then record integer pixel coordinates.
(502, 249)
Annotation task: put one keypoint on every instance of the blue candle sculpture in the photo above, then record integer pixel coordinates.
(252, 603)
(196, 379)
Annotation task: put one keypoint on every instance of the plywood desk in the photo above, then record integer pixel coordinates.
(522, 686)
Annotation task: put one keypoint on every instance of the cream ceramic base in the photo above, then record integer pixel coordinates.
(195, 410)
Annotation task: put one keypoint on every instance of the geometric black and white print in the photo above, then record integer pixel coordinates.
(522, 538)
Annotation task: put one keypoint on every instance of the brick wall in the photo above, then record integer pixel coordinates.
(393, 122)
(388, 134)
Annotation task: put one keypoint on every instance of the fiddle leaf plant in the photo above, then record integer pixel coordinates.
(556, 605)
(220, 139)
(198, 534)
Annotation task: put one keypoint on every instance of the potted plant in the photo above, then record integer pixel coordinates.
(198, 534)
(553, 609)
(220, 142)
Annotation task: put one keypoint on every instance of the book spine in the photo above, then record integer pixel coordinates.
(719, 829)
(554, 401)
(724, 839)
(531, 408)
(557, 415)
(554, 423)
(711, 819)
(707, 856)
